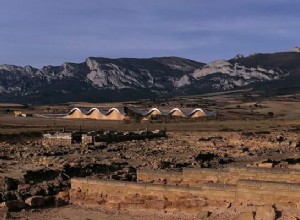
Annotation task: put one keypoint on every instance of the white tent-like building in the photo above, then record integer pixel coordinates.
(76, 113)
(146, 115)
(95, 113)
(196, 113)
(115, 114)
(119, 114)
(177, 113)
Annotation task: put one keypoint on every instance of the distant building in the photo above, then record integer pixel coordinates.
(20, 114)
(17, 113)
(296, 49)
(175, 112)
(64, 139)
(97, 137)
(94, 113)
(133, 113)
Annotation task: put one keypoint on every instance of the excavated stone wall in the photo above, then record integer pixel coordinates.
(143, 195)
(64, 139)
(196, 177)
(192, 188)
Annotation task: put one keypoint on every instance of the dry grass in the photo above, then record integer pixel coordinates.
(9, 124)
(11, 105)
(234, 114)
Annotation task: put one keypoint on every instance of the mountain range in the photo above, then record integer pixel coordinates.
(104, 79)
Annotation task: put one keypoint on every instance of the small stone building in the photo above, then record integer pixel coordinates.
(64, 139)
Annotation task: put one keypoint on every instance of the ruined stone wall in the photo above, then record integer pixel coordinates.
(144, 195)
(56, 142)
(160, 177)
(87, 139)
(64, 139)
(196, 177)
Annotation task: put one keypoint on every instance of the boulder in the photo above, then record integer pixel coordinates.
(35, 201)
(10, 184)
(157, 204)
(8, 196)
(50, 200)
(265, 213)
(288, 217)
(7, 216)
(14, 205)
(202, 215)
(36, 191)
(63, 195)
(60, 202)
(245, 216)
(23, 186)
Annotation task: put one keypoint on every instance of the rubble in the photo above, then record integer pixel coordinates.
(35, 175)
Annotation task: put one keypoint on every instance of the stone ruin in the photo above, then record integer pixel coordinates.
(64, 139)
(98, 137)
(195, 189)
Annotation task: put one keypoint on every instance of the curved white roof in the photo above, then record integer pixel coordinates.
(175, 109)
(144, 113)
(73, 110)
(151, 110)
(91, 110)
(195, 110)
(113, 109)
(96, 109)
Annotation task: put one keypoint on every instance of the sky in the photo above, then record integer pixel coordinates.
(51, 32)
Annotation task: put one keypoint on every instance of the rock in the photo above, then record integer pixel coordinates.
(63, 195)
(50, 200)
(23, 186)
(48, 189)
(245, 216)
(288, 217)
(156, 204)
(35, 201)
(36, 191)
(221, 204)
(265, 165)
(60, 202)
(189, 203)
(19, 196)
(10, 184)
(7, 216)
(202, 215)
(9, 196)
(15, 205)
(265, 213)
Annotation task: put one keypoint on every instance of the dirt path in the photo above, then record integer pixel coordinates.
(72, 212)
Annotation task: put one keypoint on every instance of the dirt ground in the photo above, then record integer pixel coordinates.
(244, 134)
(87, 213)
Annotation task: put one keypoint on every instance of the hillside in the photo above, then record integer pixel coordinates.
(104, 79)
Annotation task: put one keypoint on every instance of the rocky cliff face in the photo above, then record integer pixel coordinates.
(225, 76)
(128, 78)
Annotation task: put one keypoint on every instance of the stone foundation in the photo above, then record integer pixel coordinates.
(192, 188)
(196, 177)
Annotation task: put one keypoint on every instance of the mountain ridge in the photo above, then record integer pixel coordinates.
(106, 79)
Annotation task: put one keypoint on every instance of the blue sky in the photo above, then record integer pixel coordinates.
(42, 32)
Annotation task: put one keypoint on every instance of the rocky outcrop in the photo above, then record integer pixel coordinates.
(121, 78)
(225, 76)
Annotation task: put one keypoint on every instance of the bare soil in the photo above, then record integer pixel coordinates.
(243, 134)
